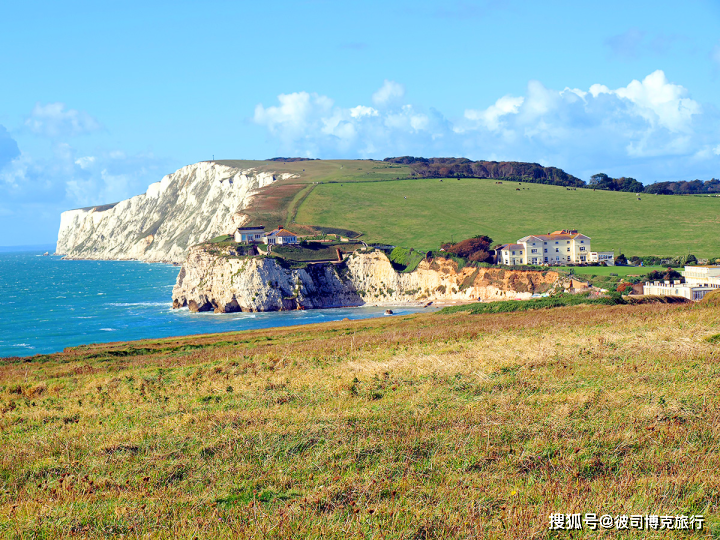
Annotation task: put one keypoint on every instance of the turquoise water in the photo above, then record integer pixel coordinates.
(47, 304)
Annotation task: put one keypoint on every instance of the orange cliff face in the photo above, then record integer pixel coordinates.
(222, 284)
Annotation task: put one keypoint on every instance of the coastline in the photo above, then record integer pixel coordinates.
(323, 316)
(119, 300)
(105, 301)
(66, 257)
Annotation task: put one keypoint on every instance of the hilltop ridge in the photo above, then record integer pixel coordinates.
(392, 201)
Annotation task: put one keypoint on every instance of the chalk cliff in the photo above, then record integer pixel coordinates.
(208, 281)
(194, 204)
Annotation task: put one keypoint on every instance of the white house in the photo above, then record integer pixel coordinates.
(249, 234)
(512, 254)
(280, 236)
(607, 257)
(559, 247)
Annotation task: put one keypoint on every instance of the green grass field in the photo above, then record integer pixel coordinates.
(277, 203)
(327, 170)
(427, 426)
(621, 271)
(421, 213)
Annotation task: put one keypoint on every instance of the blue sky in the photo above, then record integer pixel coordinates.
(100, 99)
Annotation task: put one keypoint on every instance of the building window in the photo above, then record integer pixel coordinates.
(513, 253)
(582, 241)
(533, 251)
(582, 248)
(557, 250)
(568, 250)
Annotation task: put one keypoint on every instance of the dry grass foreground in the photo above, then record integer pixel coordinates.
(428, 426)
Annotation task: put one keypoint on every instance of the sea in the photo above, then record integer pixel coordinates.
(47, 304)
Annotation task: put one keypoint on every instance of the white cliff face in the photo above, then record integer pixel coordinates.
(192, 205)
(226, 284)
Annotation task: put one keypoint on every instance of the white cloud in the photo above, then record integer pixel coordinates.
(652, 117)
(661, 102)
(53, 120)
(362, 110)
(650, 128)
(71, 181)
(492, 115)
(312, 125)
(388, 94)
(295, 112)
(85, 162)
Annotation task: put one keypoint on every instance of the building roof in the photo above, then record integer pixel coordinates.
(511, 246)
(554, 236)
(281, 232)
(259, 227)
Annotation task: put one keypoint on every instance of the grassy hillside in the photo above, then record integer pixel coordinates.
(421, 213)
(277, 203)
(427, 426)
(327, 170)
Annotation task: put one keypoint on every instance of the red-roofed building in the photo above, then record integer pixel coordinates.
(558, 247)
(280, 236)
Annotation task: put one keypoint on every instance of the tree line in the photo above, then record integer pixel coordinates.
(534, 173)
(506, 170)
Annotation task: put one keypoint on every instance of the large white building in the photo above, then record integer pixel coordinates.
(557, 248)
(702, 275)
(699, 280)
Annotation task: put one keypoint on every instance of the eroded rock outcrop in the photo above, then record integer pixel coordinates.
(192, 205)
(225, 284)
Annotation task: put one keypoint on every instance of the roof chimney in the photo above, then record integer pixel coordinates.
(280, 227)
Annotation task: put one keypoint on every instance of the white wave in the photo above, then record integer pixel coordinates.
(135, 304)
(108, 329)
(23, 345)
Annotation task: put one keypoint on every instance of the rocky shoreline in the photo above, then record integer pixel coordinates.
(211, 282)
